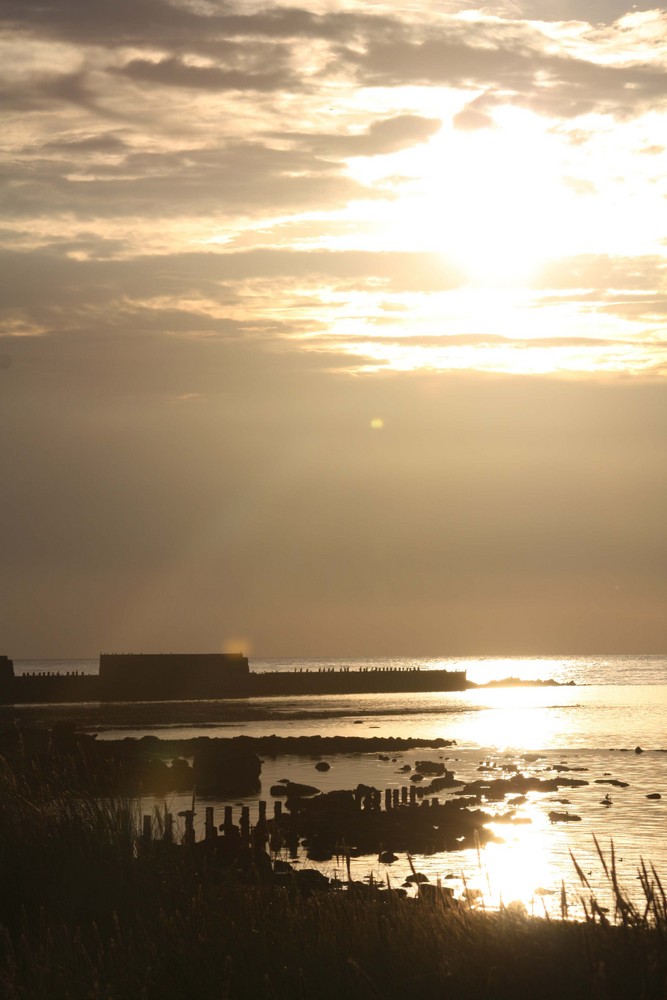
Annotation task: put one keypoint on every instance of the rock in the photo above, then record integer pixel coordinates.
(293, 790)
(322, 765)
(226, 768)
(563, 817)
(339, 799)
(430, 767)
(437, 893)
(447, 781)
(150, 742)
(638, 750)
(654, 795)
(181, 775)
(388, 858)
(311, 880)
(417, 878)
(416, 777)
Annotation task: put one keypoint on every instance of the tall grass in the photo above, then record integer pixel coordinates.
(62, 849)
(86, 914)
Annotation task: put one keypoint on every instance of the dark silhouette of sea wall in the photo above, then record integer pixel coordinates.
(197, 676)
(151, 676)
(346, 681)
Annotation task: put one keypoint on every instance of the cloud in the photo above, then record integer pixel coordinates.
(41, 91)
(387, 135)
(511, 63)
(603, 272)
(174, 72)
(595, 11)
(124, 22)
(104, 143)
(234, 178)
(67, 281)
(474, 116)
(155, 23)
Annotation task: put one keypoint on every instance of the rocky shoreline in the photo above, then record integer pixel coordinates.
(214, 765)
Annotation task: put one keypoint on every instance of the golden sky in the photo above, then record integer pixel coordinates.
(338, 328)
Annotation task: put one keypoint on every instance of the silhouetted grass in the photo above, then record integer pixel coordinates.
(86, 914)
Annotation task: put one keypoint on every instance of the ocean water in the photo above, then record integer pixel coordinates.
(614, 702)
(616, 705)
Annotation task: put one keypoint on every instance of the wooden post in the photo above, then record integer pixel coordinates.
(387, 799)
(413, 795)
(210, 832)
(229, 822)
(260, 833)
(435, 802)
(245, 824)
(189, 835)
(395, 796)
(276, 836)
(404, 795)
(147, 830)
(168, 835)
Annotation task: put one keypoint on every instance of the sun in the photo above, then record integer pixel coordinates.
(499, 204)
(493, 202)
(498, 229)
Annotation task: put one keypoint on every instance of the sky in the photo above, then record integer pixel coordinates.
(333, 330)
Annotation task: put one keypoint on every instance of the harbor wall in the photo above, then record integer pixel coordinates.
(196, 676)
(153, 676)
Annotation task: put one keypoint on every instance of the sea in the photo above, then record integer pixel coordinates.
(605, 723)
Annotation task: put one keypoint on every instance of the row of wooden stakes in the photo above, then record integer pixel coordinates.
(370, 799)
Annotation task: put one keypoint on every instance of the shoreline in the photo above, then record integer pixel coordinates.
(109, 910)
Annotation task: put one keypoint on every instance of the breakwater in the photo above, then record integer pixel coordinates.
(173, 676)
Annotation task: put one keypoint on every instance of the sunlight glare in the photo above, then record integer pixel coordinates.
(493, 201)
(518, 717)
(498, 203)
(518, 867)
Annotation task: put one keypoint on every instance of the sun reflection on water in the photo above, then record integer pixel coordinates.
(527, 718)
(519, 869)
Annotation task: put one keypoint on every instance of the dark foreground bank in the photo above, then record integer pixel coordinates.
(86, 911)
